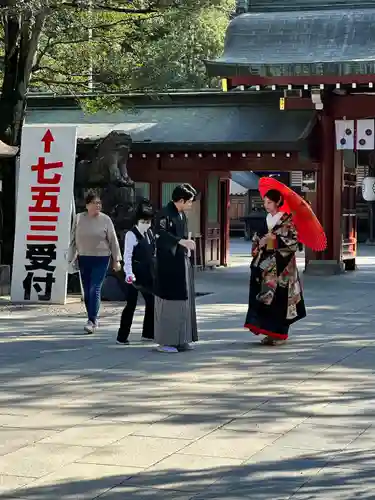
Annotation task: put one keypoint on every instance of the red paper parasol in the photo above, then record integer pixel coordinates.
(309, 229)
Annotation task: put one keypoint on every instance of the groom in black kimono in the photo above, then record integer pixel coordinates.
(175, 314)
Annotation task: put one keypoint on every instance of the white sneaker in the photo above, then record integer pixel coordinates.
(145, 339)
(166, 348)
(89, 327)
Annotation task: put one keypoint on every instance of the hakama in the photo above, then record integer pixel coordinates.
(176, 320)
(175, 314)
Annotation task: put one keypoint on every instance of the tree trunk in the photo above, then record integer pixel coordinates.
(21, 43)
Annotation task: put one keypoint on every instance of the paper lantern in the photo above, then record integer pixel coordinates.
(368, 188)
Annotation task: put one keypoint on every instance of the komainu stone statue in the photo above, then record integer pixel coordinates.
(102, 167)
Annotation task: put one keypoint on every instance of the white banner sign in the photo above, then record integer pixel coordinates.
(344, 134)
(43, 214)
(365, 134)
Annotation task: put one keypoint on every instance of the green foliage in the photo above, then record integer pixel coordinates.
(93, 104)
(104, 46)
(150, 46)
(175, 58)
(72, 46)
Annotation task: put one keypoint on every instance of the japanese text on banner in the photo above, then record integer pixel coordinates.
(42, 235)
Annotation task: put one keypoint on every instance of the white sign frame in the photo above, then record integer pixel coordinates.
(309, 182)
(43, 214)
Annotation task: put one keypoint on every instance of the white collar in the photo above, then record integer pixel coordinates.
(272, 220)
(143, 232)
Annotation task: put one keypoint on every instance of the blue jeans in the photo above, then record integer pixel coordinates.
(93, 271)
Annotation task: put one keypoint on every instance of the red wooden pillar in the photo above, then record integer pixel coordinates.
(325, 200)
(328, 200)
(224, 200)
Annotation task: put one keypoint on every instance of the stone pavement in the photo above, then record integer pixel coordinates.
(83, 418)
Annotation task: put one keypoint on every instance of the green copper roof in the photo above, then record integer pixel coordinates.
(293, 43)
(162, 128)
(298, 5)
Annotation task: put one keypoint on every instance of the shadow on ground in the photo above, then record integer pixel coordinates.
(245, 421)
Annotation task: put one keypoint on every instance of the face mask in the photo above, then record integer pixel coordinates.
(143, 226)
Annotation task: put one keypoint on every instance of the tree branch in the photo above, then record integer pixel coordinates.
(116, 23)
(51, 81)
(41, 54)
(107, 8)
(12, 34)
(60, 72)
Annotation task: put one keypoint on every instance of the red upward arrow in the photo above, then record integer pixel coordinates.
(47, 139)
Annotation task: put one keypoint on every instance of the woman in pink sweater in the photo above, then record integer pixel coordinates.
(93, 242)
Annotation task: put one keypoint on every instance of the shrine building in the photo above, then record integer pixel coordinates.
(298, 98)
(200, 138)
(321, 56)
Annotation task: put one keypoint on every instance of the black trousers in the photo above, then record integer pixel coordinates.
(128, 314)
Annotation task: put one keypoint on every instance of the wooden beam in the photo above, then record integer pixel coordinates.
(353, 106)
(311, 80)
(143, 169)
(279, 162)
(298, 103)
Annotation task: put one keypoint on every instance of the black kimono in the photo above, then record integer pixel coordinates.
(175, 314)
(275, 297)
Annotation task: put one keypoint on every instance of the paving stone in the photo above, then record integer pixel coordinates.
(80, 416)
(44, 420)
(273, 472)
(268, 419)
(11, 482)
(138, 493)
(137, 413)
(181, 427)
(276, 459)
(93, 433)
(317, 437)
(230, 444)
(343, 414)
(355, 458)
(12, 439)
(334, 483)
(365, 441)
(188, 473)
(40, 459)
(76, 482)
(135, 451)
(262, 486)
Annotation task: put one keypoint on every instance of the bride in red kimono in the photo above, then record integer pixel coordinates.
(275, 298)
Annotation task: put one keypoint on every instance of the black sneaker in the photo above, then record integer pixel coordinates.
(122, 342)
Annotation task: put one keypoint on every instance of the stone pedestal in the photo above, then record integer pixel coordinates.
(324, 268)
(4, 280)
